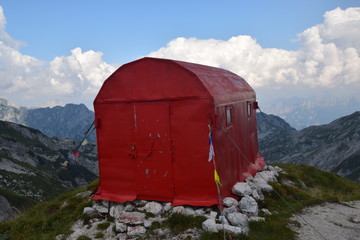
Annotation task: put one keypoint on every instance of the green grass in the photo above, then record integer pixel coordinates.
(312, 187)
(48, 219)
(179, 223)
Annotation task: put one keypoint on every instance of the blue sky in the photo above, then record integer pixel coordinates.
(126, 30)
(58, 52)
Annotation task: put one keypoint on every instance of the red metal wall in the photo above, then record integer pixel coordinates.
(152, 119)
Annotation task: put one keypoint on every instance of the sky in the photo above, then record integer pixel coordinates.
(58, 52)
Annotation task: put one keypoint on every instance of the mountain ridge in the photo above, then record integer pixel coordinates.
(331, 147)
(70, 121)
(31, 167)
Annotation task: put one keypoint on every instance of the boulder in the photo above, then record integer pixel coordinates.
(267, 176)
(260, 184)
(129, 207)
(249, 206)
(154, 208)
(88, 210)
(229, 202)
(210, 225)
(120, 227)
(100, 208)
(212, 215)
(256, 219)
(179, 210)
(135, 218)
(266, 211)
(257, 194)
(237, 219)
(231, 229)
(241, 189)
(116, 210)
(136, 231)
(232, 209)
(167, 207)
(199, 212)
(189, 211)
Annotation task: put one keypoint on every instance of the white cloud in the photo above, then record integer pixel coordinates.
(4, 35)
(328, 57)
(29, 81)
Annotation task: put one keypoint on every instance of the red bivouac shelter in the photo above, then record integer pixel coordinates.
(164, 125)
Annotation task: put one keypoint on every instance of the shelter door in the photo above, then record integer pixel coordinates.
(151, 150)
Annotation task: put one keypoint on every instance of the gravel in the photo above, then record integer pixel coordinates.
(333, 221)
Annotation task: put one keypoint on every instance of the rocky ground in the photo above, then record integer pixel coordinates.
(135, 219)
(332, 221)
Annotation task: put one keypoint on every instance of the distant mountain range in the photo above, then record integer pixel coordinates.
(70, 121)
(333, 147)
(301, 113)
(31, 167)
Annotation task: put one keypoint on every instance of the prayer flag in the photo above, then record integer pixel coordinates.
(84, 142)
(76, 154)
(211, 146)
(217, 178)
(65, 164)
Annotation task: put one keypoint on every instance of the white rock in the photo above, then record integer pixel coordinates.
(266, 211)
(199, 212)
(105, 203)
(140, 203)
(154, 208)
(232, 209)
(237, 219)
(232, 229)
(135, 218)
(136, 231)
(256, 219)
(88, 210)
(241, 189)
(189, 211)
(120, 227)
(249, 206)
(167, 207)
(121, 236)
(100, 208)
(129, 207)
(223, 220)
(257, 194)
(147, 223)
(109, 233)
(213, 215)
(229, 202)
(116, 210)
(77, 225)
(274, 171)
(260, 184)
(210, 225)
(179, 210)
(85, 194)
(278, 169)
(268, 176)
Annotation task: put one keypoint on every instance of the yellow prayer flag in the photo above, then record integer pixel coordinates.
(217, 178)
(84, 142)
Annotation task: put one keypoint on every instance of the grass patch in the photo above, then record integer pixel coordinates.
(312, 187)
(103, 226)
(48, 219)
(179, 223)
(99, 235)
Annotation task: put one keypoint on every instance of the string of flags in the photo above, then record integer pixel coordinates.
(74, 155)
(211, 157)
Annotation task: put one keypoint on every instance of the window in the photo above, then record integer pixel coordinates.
(229, 119)
(249, 108)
